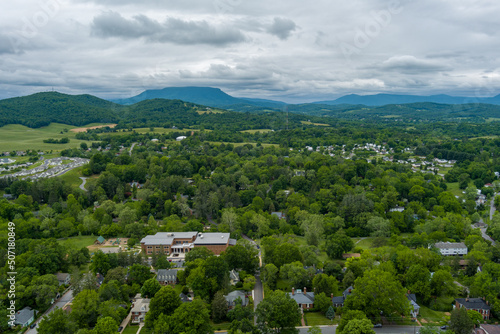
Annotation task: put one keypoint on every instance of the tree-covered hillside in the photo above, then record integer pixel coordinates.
(41, 109)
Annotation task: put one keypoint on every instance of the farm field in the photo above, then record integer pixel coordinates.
(15, 137)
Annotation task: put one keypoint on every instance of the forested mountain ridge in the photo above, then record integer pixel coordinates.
(41, 109)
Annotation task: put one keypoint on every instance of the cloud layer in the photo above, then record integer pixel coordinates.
(288, 50)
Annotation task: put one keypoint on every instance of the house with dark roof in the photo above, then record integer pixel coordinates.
(476, 304)
(167, 276)
(414, 307)
(339, 300)
(25, 317)
(233, 296)
(304, 299)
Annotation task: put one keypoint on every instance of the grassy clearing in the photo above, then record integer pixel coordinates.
(15, 137)
(73, 177)
(78, 242)
(211, 111)
(311, 123)
(454, 189)
(431, 316)
(363, 243)
(257, 130)
(223, 326)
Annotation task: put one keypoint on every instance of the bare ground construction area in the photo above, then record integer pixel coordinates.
(83, 129)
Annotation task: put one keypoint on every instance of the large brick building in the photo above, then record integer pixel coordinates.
(475, 304)
(172, 243)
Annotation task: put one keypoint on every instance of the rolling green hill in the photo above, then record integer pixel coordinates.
(41, 109)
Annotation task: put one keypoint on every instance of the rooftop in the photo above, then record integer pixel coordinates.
(212, 238)
(166, 238)
(473, 303)
(24, 315)
(449, 245)
(141, 305)
(302, 297)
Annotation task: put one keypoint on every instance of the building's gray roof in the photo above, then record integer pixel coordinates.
(166, 238)
(302, 298)
(473, 303)
(278, 214)
(62, 276)
(413, 301)
(234, 276)
(232, 296)
(449, 245)
(166, 275)
(232, 242)
(348, 291)
(490, 329)
(338, 300)
(24, 315)
(141, 305)
(214, 238)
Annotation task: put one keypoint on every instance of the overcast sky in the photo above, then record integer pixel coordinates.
(288, 50)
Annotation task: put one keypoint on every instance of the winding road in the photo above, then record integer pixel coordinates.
(84, 180)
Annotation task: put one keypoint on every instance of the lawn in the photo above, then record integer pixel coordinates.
(15, 137)
(363, 243)
(454, 189)
(73, 177)
(430, 316)
(219, 327)
(132, 329)
(78, 242)
(317, 319)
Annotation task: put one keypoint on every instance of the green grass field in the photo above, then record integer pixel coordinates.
(363, 243)
(431, 316)
(311, 123)
(257, 130)
(73, 177)
(15, 137)
(78, 242)
(219, 327)
(454, 189)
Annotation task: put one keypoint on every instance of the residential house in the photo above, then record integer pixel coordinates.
(339, 301)
(234, 277)
(100, 240)
(180, 138)
(233, 296)
(100, 279)
(476, 304)
(25, 317)
(139, 309)
(397, 209)
(167, 276)
(280, 215)
(8, 196)
(184, 298)
(304, 299)
(451, 248)
(414, 308)
(63, 278)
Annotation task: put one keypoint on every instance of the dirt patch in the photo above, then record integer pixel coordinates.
(109, 242)
(92, 127)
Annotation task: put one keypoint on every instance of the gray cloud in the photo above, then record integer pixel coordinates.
(411, 64)
(282, 28)
(173, 30)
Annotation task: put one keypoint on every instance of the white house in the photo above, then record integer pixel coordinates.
(451, 248)
(180, 138)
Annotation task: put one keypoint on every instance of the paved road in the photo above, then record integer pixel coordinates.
(67, 297)
(84, 180)
(384, 330)
(131, 148)
(258, 293)
(492, 206)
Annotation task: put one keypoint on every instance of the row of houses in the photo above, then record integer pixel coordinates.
(140, 307)
(305, 300)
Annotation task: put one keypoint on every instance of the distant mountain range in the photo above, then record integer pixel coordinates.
(215, 97)
(385, 99)
(208, 96)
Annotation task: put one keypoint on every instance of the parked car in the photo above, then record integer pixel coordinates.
(120, 328)
(444, 327)
(33, 325)
(377, 326)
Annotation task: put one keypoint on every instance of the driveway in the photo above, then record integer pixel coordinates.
(66, 298)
